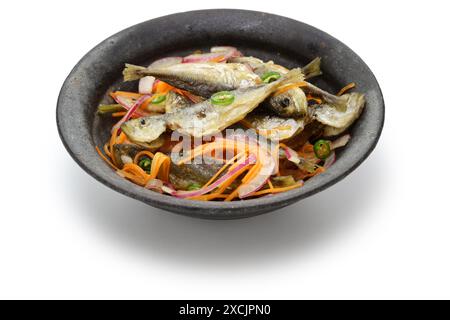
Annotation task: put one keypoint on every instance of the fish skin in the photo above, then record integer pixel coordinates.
(203, 79)
(175, 102)
(205, 118)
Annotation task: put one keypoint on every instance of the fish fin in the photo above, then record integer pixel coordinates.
(132, 72)
(295, 75)
(312, 69)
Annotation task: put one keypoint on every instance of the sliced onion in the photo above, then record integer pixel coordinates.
(291, 155)
(128, 103)
(155, 185)
(195, 193)
(130, 112)
(146, 85)
(165, 62)
(219, 54)
(330, 160)
(268, 166)
(236, 52)
(340, 142)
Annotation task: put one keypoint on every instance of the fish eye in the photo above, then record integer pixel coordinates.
(143, 121)
(285, 102)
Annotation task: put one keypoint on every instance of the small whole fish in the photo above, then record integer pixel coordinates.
(274, 127)
(182, 176)
(207, 118)
(292, 103)
(203, 79)
(337, 121)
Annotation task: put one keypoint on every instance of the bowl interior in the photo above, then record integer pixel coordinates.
(269, 37)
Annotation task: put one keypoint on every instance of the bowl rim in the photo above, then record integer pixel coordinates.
(166, 202)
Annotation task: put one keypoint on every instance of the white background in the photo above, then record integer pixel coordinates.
(383, 232)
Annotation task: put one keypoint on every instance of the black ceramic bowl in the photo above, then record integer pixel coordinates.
(270, 37)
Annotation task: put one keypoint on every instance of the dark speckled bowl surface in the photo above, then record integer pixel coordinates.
(270, 37)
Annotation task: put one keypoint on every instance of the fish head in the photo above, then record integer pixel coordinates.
(292, 103)
(145, 129)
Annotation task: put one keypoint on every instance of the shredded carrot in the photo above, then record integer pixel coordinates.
(316, 99)
(270, 184)
(222, 169)
(119, 114)
(160, 167)
(289, 87)
(217, 59)
(104, 158)
(126, 94)
(277, 190)
(142, 153)
(106, 149)
(346, 88)
(162, 87)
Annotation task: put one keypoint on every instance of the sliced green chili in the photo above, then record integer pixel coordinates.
(159, 99)
(270, 76)
(222, 98)
(322, 149)
(146, 164)
(194, 186)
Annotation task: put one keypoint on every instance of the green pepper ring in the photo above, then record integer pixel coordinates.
(322, 149)
(222, 98)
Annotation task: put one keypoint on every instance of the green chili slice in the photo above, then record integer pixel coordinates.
(159, 99)
(322, 149)
(222, 98)
(270, 76)
(146, 164)
(194, 186)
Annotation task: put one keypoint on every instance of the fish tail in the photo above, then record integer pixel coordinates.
(312, 69)
(132, 72)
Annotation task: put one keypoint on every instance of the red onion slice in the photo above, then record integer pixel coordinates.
(155, 185)
(330, 160)
(165, 62)
(340, 142)
(127, 103)
(130, 112)
(217, 54)
(146, 85)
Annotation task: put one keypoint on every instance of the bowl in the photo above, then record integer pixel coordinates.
(270, 37)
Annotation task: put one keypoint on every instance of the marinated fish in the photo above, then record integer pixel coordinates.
(274, 127)
(175, 102)
(337, 121)
(125, 153)
(203, 79)
(184, 176)
(292, 103)
(210, 116)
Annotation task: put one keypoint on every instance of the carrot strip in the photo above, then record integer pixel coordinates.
(346, 88)
(142, 153)
(277, 190)
(119, 114)
(104, 158)
(126, 94)
(289, 87)
(222, 169)
(316, 99)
